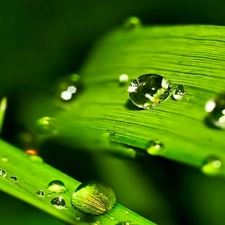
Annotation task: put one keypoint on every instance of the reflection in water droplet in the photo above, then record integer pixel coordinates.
(132, 23)
(40, 193)
(123, 79)
(4, 159)
(58, 202)
(46, 125)
(179, 92)
(155, 148)
(31, 152)
(216, 111)
(56, 186)
(3, 173)
(13, 179)
(212, 166)
(93, 198)
(149, 90)
(36, 158)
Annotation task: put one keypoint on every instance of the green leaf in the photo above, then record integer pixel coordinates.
(34, 175)
(190, 55)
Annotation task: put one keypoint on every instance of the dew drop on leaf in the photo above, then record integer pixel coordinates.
(155, 148)
(46, 125)
(149, 90)
(4, 159)
(40, 193)
(13, 179)
(126, 223)
(216, 111)
(179, 92)
(3, 173)
(132, 23)
(212, 166)
(93, 198)
(36, 158)
(56, 186)
(123, 78)
(77, 218)
(58, 202)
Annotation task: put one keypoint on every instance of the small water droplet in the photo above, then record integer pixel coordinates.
(149, 90)
(36, 158)
(3, 173)
(13, 179)
(58, 202)
(4, 159)
(123, 79)
(126, 212)
(179, 92)
(40, 193)
(49, 194)
(31, 152)
(126, 223)
(56, 186)
(216, 111)
(155, 148)
(93, 198)
(132, 23)
(77, 218)
(212, 166)
(112, 218)
(47, 126)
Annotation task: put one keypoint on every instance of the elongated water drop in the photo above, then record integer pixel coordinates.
(179, 92)
(126, 223)
(58, 202)
(93, 198)
(212, 166)
(132, 23)
(155, 148)
(13, 179)
(3, 173)
(56, 186)
(40, 193)
(216, 111)
(149, 90)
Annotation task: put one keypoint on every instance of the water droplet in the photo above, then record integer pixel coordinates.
(49, 194)
(77, 218)
(132, 23)
(56, 186)
(4, 159)
(93, 198)
(46, 125)
(36, 158)
(126, 212)
(155, 148)
(13, 179)
(112, 218)
(149, 90)
(123, 79)
(58, 202)
(40, 193)
(126, 223)
(212, 166)
(3, 173)
(179, 92)
(216, 111)
(31, 152)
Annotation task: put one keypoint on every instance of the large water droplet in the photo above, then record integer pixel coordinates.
(123, 79)
(149, 90)
(216, 111)
(132, 23)
(179, 92)
(93, 198)
(3, 173)
(58, 202)
(46, 125)
(13, 179)
(56, 186)
(40, 193)
(212, 166)
(155, 148)
(126, 223)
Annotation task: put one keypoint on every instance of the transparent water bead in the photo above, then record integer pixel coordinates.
(132, 23)
(3, 173)
(93, 198)
(56, 186)
(46, 125)
(40, 193)
(155, 148)
(179, 92)
(212, 166)
(36, 158)
(58, 202)
(123, 79)
(13, 179)
(149, 90)
(126, 223)
(4, 159)
(216, 111)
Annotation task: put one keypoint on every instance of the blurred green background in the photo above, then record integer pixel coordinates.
(43, 40)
